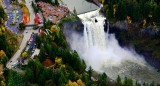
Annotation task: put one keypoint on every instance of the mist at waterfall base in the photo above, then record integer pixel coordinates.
(103, 53)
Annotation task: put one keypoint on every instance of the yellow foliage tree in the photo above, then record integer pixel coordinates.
(114, 9)
(2, 54)
(103, 1)
(70, 83)
(0, 32)
(2, 79)
(129, 20)
(154, 25)
(144, 22)
(25, 11)
(63, 66)
(58, 60)
(24, 55)
(3, 28)
(2, 21)
(80, 83)
(54, 28)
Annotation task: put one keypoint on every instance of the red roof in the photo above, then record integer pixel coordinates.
(37, 19)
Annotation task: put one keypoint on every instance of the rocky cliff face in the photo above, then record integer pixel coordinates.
(146, 41)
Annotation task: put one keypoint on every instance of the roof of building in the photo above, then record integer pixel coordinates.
(57, 12)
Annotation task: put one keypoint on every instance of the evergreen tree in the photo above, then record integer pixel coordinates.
(15, 79)
(29, 76)
(152, 84)
(121, 10)
(21, 26)
(85, 79)
(156, 17)
(56, 2)
(137, 84)
(72, 75)
(74, 11)
(62, 80)
(119, 82)
(103, 80)
(34, 8)
(42, 54)
(38, 41)
(90, 72)
(128, 82)
(2, 13)
(110, 9)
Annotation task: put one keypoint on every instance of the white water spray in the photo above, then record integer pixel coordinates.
(102, 52)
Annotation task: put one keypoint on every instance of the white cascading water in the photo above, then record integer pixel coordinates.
(102, 52)
(94, 32)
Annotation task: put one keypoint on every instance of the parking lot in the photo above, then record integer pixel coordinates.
(31, 45)
(27, 35)
(14, 16)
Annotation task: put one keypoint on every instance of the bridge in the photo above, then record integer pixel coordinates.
(33, 25)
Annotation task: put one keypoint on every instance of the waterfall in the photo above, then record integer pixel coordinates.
(94, 34)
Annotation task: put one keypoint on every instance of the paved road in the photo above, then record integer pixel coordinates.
(27, 33)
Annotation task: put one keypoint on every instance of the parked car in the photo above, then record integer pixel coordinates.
(27, 48)
(29, 42)
(15, 63)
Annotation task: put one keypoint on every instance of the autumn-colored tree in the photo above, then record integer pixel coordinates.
(70, 83)
(58, 60)
(80, 83)
(144, 23)
(24, 55)
(129, 21)
(3, 57)
(2, 54)
(2, 79)
(2, 13)
(54, 28)
(2, 30)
